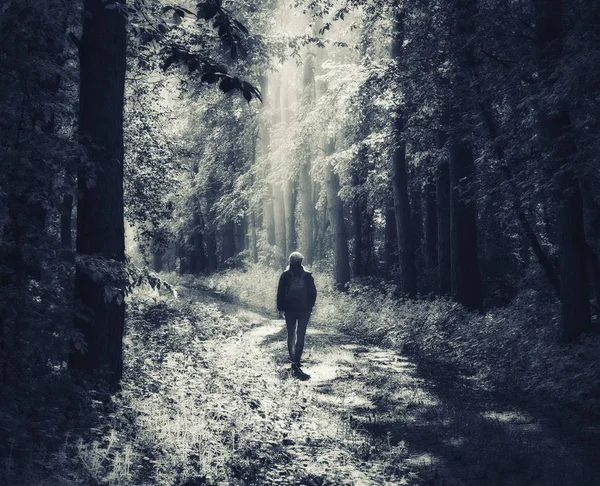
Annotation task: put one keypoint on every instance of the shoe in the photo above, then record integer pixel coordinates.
(298, 373)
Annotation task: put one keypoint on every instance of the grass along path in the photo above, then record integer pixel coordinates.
(284, 431)
(208, 399)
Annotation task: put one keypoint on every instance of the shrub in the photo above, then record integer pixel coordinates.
(514, 348)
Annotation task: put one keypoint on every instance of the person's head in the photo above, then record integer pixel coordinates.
(296, 260)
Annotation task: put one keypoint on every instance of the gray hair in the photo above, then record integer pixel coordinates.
(296, 259)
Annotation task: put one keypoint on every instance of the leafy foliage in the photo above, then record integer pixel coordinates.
(506, 349)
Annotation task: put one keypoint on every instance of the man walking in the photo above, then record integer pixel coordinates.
(296, 296)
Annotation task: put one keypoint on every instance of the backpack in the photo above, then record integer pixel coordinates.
(296, 296)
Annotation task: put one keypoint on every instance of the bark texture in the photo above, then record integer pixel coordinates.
(66, 213)
(404, 228)
(341, 263)
(100, 229)
(390, 248)
(555, 121)
(465, 278)
(430, 224)
(442, 204)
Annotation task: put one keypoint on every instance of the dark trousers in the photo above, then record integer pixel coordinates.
(296, 322)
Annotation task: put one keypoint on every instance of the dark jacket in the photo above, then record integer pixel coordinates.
(284, 282)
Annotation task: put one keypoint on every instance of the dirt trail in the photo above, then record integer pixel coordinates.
(350, 383)
(304, 422)
(368, 416)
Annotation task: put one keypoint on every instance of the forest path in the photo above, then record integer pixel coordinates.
(306, 424)
(367, 416)
(287, 431)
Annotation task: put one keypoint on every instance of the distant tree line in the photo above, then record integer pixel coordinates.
(450, 146)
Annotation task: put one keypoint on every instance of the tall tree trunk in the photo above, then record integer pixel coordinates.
(66, 214)
(279, 115)
(430, 224)
(390, 247)
(242, 238)
(279, 213)
(555, 120)
(442, 202)
(157, 251)
(191, 255)
(181, 254)
(307, 206)
(253, 237)
(321, 230)
(100, 227)
(415, 197)
(404, 227)
(211, 251)
(307, 217)
(594, 268)
(465, 278)
(357, 264)
(573, 254)
(341, 265)
(539, 252)
(289, 192)
(360, 222)
(269, 215)
(199, 253)
(592, 228)
(228, 241)
(318, 226)
(338, 228)
(265, 142)
(239, 232)
(362, 218)
(157, 261)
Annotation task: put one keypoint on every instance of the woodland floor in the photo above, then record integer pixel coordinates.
(366, 416)
(207, 399)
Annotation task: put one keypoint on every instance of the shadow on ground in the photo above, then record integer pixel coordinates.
(453, 431)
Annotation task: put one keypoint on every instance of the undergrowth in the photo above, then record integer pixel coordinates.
(515, 349)
(201, 404)
(157, 429)
(189, 412)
